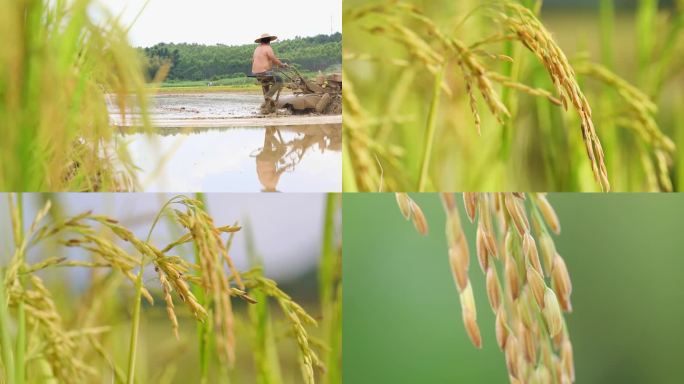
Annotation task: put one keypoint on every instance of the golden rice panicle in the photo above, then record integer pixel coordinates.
(212, 254)
(511, 276)
(537, 285)
(58, 346)
(412, 211)
(639, 115)
(469, 313)
(481, 248)
(493, 289)
(459, 259)
(363, 147)
(171, 267)
(501, 328)
(486, 226)
(459, 255)
(517, 213)
(567, 360)
(172, 270)
(512, 355)
(419, 221)
(530, 316)
(529, 249)
(544, 217)
(404, 202)
(529, 346)
(548, 213)
(22, 240)
(552, 312)
(475, 72)
(102, 247)
(459, 267)
(298, 319)
(170, 308)
(529, 325)
(470, 202)
(523, 23)
(548, 250)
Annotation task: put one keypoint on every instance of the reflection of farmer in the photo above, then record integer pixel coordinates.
(267, 160)
(263, 62)
(278, 156)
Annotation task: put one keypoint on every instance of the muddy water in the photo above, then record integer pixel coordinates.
(217, 142)
(207, 105)
(303, 158)
(194, 106)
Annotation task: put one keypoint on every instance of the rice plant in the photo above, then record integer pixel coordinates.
(50, 334)
(527, 293)
(477, 95)
(59, 67)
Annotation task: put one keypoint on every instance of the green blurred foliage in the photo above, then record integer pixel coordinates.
(402, 321)
(59, 70)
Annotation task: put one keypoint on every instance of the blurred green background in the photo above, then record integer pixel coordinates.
(402, 321)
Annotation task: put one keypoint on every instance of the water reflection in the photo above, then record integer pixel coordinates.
(278, 155)
(304, 158)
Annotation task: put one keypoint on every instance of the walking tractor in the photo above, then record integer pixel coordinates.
(322, 96)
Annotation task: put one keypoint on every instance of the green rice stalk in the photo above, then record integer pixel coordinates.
(431, 126)
(348, 178)
(298, 319)
(135, 322)
(511, 69)
(265, 351)
(204, 334)
(58, 70)
(679, 128)
(5, 337)
(330, 285)
(664, 65)
(646, 21)
(613, 139)
(607, 27)
(640, 116)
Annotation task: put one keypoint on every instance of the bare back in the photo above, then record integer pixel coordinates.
(264, 59)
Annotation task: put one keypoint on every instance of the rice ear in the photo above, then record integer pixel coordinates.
(529, 313)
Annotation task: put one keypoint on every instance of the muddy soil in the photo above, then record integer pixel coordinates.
(221, 109)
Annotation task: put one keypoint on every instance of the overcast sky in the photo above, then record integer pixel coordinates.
(226, 22)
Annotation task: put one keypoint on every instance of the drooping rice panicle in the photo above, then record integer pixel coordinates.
(528, 304)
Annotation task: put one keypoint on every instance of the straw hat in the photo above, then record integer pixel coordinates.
(264, 36)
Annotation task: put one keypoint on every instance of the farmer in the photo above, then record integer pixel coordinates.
(263, 61)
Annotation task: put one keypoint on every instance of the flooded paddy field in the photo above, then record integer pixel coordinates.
(218, 142)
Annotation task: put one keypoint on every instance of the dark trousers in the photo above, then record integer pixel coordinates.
(270, 83)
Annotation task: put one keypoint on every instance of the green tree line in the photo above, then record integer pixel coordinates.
(193, 62)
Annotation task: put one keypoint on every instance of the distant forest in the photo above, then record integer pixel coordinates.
(192, 62)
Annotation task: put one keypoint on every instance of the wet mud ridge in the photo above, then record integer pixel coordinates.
(249, 121)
